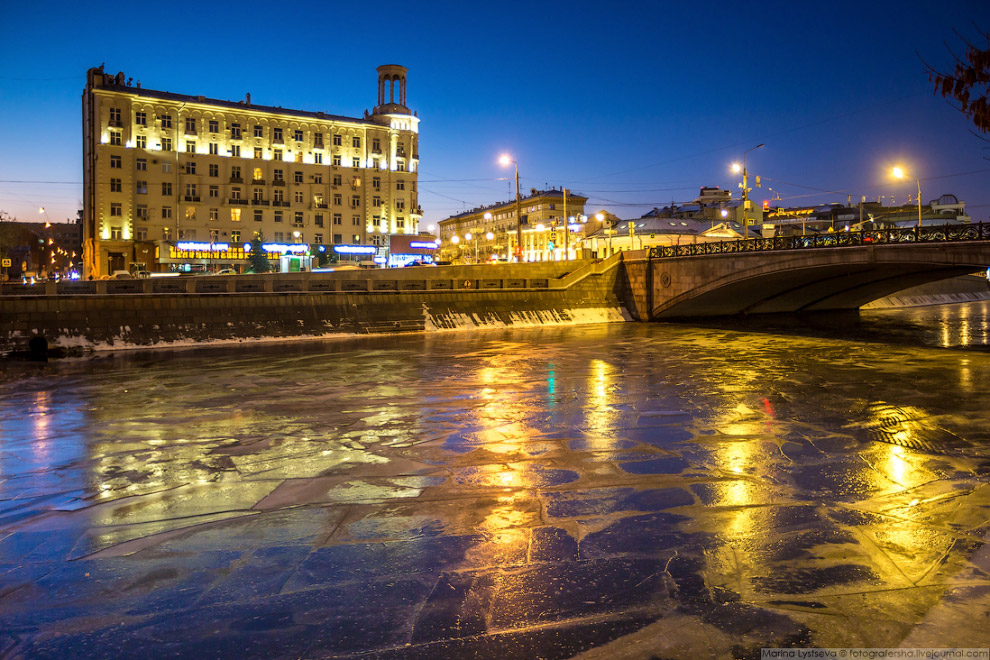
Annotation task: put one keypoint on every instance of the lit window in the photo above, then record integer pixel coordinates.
(357, 238)
(298, 219)
(318, 239)
(235, 215)
(235, 236)
(258, 176)
(190, 213)
(166, 233)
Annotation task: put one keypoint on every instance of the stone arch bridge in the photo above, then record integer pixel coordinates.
(797, 274)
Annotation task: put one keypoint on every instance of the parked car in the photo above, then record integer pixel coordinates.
(142, 274)
(121, 275)
(226, 271)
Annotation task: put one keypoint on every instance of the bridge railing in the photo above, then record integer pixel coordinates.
(930, 234)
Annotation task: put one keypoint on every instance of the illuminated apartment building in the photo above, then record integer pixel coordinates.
(490, 232)
(176, 182)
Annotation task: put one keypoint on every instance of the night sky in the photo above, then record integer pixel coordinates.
(632, 104)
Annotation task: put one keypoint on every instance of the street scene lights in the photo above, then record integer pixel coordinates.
(898, 173)
(504, 161)
(745, 186)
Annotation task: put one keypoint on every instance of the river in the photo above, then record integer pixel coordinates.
(620, 490)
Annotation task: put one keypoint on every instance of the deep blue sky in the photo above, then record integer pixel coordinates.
(633, 104)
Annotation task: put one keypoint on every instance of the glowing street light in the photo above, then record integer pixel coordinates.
(898, 173)
(505, 160)
(745, 187)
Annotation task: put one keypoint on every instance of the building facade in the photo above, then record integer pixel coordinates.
(491, 232)
(177, 182)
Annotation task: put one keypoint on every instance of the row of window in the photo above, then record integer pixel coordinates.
(298, 217)
(278, 196)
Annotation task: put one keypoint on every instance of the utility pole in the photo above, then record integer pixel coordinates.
(567, 228)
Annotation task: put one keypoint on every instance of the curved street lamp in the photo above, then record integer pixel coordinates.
(504, 161)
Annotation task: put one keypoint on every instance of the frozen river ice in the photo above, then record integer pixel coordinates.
(621, 491)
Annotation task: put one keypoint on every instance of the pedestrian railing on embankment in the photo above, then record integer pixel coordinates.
(926, 234)
(462, 279)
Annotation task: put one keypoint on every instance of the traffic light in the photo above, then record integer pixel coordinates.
(766, 205)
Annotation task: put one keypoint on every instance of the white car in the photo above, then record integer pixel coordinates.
(121, 275)
(226, 271)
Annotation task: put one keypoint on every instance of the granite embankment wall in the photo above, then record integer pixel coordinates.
(119, 314)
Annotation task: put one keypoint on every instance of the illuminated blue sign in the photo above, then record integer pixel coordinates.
(355, 249)
(421, 245)
(281, 248)
(202, 247)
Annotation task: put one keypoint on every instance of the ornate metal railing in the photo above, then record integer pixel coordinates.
(932, 234)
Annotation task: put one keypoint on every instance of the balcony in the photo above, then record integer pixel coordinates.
(190, 131)
(236, 179)
(257, 182)
(191, 198)
(114, 123)
(278, 182)
(237, 202)
(259, 202)
(278, 203)
(320, 205)
(318, 145)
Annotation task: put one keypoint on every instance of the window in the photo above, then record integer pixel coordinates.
(299, 156)
(277, 154)
(259, 194)
(141, 233)
(166, 121)
(141, 141)
(278, 216)
(356, 238)
(401, 167)
(235, 131)
(166, 233)
(279, 236)
(297, 221)
(115, 233)
(235, 150)
(297, 177)
(400, 185)
(376, 183)
(338, 219)
(318, 177)
(191, 167)
(215, 191)
(258, 174)
(337, 199)
(116, 210)
(214, 170)
(141, 164)
(355, 162)
(115, 185)
(235, 194)
(190, 146)
(277, 175)
(376, 201)
(235, 172)
(214, 149)
(116, 163)
(318, 140)
(318, 219)
(191, 125)
(214, 126)
(115, 116)
(376, 146)
(115, 138)
(235, 215)
(318, 158)
(166, 144)
(378, 239)
(400, 204)
(257, 152)
(277, 134)
(214, 235)
(235, 236)
(355, 201)
(215, 215)
(356, 142)
(297, 135)
(336, 179)
(297, 196)
(141, 187)
(277, 195)
(376, 221)
(258, 215)
(318, 239)
(141, 118)
(166, 188)
(258, 131)
(191, 192)
(190, 215)
(338, 238)
(337, 141)
(142, 211)
(166, 212)
(167, 167)
(400, 222)
(356, 220)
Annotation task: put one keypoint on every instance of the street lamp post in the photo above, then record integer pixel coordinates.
(600, 217)
(745, 188)
(505, 160)
(899, 174)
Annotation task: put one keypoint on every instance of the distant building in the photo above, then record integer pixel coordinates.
(542, 222)
(947, 209)
(172, 181)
